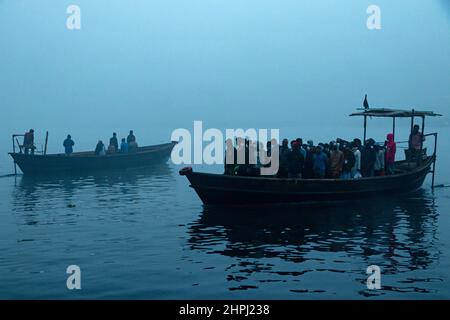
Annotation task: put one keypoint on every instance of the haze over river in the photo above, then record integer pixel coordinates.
(154, 66)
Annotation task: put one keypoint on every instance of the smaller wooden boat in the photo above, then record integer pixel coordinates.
(86, 162)
(219, 189)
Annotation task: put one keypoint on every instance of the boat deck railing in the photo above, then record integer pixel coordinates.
(413, 161)
(435, 135)
(15, 141)
(17, 144)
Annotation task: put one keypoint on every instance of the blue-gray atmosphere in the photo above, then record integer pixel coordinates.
(89, 68)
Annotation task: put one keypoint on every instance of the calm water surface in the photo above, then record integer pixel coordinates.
(154, 66)
(146, 235)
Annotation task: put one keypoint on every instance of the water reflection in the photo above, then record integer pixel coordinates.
(399, 235)
(39, 195)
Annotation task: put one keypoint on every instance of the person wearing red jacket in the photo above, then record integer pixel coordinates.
(391, 148)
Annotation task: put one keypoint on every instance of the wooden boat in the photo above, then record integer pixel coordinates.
(83, 162)
(225, 189)
(218, 189)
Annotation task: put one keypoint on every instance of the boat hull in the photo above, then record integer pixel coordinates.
(87, 162)
(215, 189)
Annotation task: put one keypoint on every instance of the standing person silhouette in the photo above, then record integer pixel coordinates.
(68, 145)
(28, 142)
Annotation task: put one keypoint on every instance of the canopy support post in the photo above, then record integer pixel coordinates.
(365, 129)
(393, 127)
(409, 140)
(423, 133)
(412, 125)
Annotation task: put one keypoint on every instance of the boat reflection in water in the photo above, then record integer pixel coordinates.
(115, 190)
(304, 244)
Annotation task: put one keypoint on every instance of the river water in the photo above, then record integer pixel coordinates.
(144, 234)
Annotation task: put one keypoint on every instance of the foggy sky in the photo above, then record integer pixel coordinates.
(236, 63)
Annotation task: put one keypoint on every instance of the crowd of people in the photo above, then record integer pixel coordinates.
(128, 145)
(337, 159)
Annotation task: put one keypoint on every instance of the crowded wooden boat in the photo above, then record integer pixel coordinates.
(341, 170)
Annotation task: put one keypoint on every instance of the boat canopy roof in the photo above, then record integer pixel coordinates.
(397, 113)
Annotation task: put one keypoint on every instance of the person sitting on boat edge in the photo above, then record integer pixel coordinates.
(68, 145)
(391, 149)
(28, 142)
(111, 149)
(113, 143)
(123, 146)
(100, 149)
(132, 147)
(320, 160)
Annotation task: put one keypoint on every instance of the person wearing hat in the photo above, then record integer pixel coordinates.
(28, 142)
